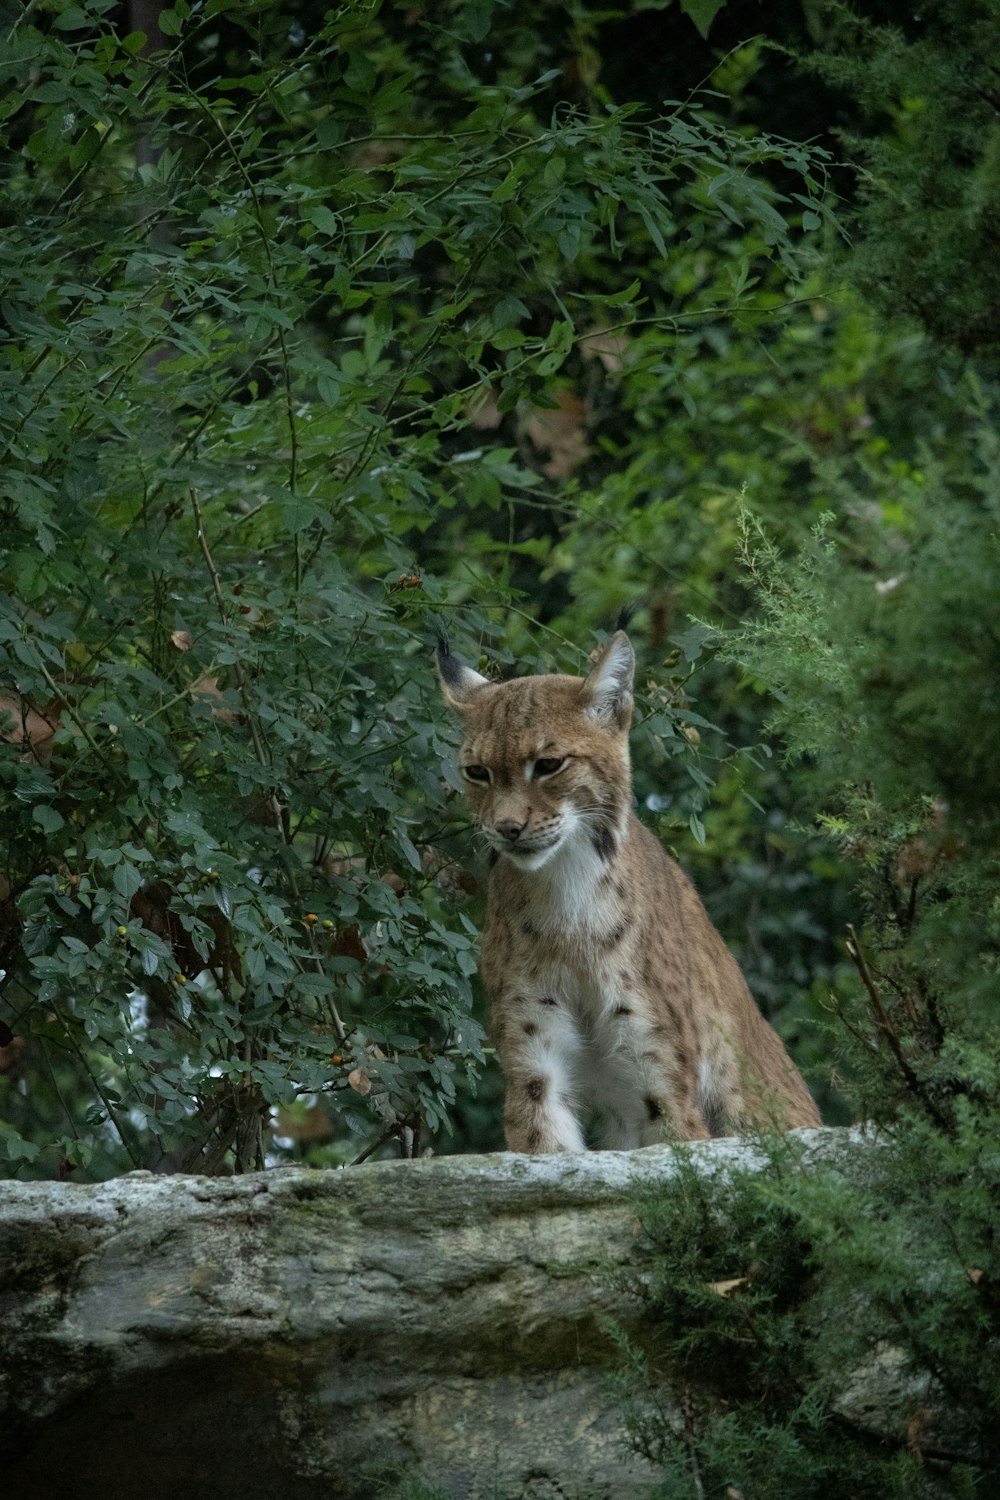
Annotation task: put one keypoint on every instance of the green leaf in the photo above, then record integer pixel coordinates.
(692, 641)
(702, 13)
(511, 184)
(619, 299)
(474, 18)
(13, 1147)
(360, 74)
(509, 312)
(126, 880)
(73, 18)
(569, 241)
(321, 216)
(408, 848)
(47, 817)
(508, 338)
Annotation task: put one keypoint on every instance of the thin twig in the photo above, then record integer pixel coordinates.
(386, 1136)
(691, 1446)
(836, 1009)
(241, 677)
(133, 1158)
(55, 1084)
(885, 1026)
(261, 753)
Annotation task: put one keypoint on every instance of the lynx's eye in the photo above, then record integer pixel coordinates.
(476, 773)
(547, 767)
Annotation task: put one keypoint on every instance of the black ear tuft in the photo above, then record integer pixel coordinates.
(627, 614)
(449, 666)
(458, 682)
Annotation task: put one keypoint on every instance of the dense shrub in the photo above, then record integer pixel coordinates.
(306, 314)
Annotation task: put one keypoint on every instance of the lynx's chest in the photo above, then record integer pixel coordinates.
(568, 930)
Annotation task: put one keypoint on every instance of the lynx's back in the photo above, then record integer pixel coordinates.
(612, 994)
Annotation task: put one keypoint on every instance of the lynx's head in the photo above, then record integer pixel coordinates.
(544, 760)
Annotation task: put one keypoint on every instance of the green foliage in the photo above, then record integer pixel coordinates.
(783, 1302)
(812, 1332)
(881, 650)
(291, 298)
(927, 143)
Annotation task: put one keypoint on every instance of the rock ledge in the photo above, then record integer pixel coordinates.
(291, 1329)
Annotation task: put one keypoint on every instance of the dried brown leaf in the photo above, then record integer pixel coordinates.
(348, 944)
(916, 1429)
(208, 687)
(559, 432)
(723, 1288)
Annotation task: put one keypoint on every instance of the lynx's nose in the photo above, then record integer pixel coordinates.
(509, 830)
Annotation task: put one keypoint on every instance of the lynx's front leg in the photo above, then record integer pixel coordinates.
(539, 1047)
(643, 1079)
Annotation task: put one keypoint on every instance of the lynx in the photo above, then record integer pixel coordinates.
(612, 994)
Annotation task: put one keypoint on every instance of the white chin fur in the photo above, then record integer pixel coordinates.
(534, 859)
(566, 894)
(530, 859)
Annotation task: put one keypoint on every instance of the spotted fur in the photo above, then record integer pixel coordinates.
(612, 994)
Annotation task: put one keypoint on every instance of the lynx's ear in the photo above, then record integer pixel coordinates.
(607, 693)
(458, 683)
